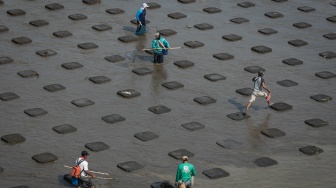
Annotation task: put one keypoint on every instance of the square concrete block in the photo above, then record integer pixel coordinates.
(273, 133)
(27, 73)
(130, 166)
(333, 3)
(193, 126)
(287, 83)
(128, 93)
(184, 64)
(160, 109)
(13, 138)
(99, 79)
(265, 162)
(332, 19)
(34, 112)
(239, 20)
(212, 10)
(245, 91)
(115, 11)
(238, 116)
(331, 36)
(214, 77)
(146, 136)
(77, 17)
(21, 40)
(292, 61)
(54, 87)
(254, 69)
(97, 146)
(223, 56)
(306, 9)
(302, 25)
(261, 49)
(142, 71)
(267, 31)
(328, 54)
(102, 27)
(72, 65)
(298, 43)
(16, 12)
(167, 32)
(316, 122)
(87, 46)
(281, 106)
(279, 1)
(54, 6)
(83, 102)
(204, 100)
(311, 150)
(246, 4)
(229, 144)
(8, 96)
(20, 186)
(114, 58)
(321, 98)
(178, 154)
(127, 38)
(162, 184)
(113, 118)
(1, 170)
(38, 23)
(216, 173)
(194, 44)
(232, 37)
(45, 157)
(186, 1)
(134, 21)
(46, 53)
(64, 129)
(5, 60)
(274, 14)
(91, 2)
(325, 74)
(177, 15)
(62, 34)
(3, 28)
(172, 85)
(153, 5)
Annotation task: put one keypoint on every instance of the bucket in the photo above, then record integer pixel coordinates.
(164, 52)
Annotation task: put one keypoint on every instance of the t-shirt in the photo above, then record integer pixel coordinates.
(185, 171)
(83, 165)
(258, 83)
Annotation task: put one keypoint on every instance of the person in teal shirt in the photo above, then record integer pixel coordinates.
(158, 44)
(184, 173)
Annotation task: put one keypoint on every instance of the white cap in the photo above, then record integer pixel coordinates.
(144, 5)
(157, 34)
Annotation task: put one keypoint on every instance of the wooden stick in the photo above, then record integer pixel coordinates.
(100, 178)
(103, 173)
(173, 48)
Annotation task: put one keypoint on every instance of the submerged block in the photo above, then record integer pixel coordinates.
(130, 166)
(64, 129)
(82, 102)
(302, 25)
(238, 116)
(325, 74)
(331, 36)
(321, 98)
(192, 126)
(13, 138)
(77, 17)
(178, 154)
(214, 77)
(87, 45)
(46, 53)
(223, 56)
(34, 112)
(142, 71)
(332, 19)
(212, 10)
(177, 15)
(232, 37)
(114, 58)
(216, 173)
(279, 1)
(160, 109)
(127, 38)
(306, 9)
(204, 100)
(162, 184)
(184, 63)
(8, 96)
(54, 87)
(62, 34)
(153, 5)
(21, 40)
(1, 170)
(273, 133)
(20, 186)
(45, 157)
(186, 1)
(5, 60)
(54, 6)
(16, 12)
(97, 146)
(311, 150)
(267, 31)
(166, 32)
(128, 93)
(246, 4)
(146, 136)
(328, 54)
(113, 118)
(265, 162)
(172, 85)
(292, 61)
(239, 20)
(261, 49)
(72, 65)
(3, 28)
(254, 69)
(134, 21)
(281, 106)
(99, 79)
(287, 83)
(38, 23)
(102, 27)
(91, 2)
(316, 122)
(27, 73)
(245, 91)
(194, 44)
(273, 14)
(115, 11)
(229, 144)
(298, 43)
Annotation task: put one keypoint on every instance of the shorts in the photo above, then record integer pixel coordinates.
(257, 94)
(186, 183)
(87, 181)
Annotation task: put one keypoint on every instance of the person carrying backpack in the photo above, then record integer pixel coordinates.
(158, 45)
(85, 175)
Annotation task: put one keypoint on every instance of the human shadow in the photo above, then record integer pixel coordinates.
(240, 106)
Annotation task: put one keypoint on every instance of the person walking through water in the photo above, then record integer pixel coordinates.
(141, 19)
(158, 44)
(185, 173)
(85, 173)
(259, 85)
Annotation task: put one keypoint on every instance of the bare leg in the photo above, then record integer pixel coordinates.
(247, 107)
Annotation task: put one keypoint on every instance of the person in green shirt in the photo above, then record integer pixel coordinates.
(158, 44)
(184, 173)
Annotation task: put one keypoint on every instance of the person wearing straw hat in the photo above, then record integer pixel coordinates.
(141, 19)
(85, 173)
(158, 45)
(185, 173)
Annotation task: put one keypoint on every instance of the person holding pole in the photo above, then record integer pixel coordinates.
(141, 19)
(158, 45)
(85, 173)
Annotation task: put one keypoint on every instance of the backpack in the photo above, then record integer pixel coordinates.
(76, 171)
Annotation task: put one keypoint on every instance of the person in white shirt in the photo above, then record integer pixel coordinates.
(86, 175)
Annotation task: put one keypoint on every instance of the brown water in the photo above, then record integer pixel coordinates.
(294, 169)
